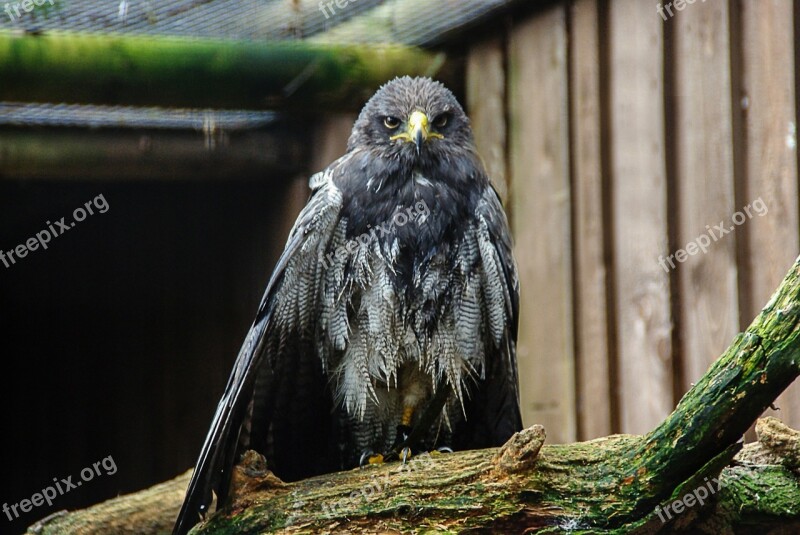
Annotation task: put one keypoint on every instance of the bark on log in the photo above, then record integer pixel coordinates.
(689, 475)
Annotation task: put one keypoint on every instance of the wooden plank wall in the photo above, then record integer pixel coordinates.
(769, 121)
(620, 136)
(704, 183)
(594, 366)
(540, 217)
(638, 213)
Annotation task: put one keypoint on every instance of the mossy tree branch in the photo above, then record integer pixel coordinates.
(614, 485)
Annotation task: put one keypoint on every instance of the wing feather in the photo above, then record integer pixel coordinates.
(493, 414)
(289, 305)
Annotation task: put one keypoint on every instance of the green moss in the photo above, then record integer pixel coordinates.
(116, 69)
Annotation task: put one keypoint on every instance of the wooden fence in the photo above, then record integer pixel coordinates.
(620, 136)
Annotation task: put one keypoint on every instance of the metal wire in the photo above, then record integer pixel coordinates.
(411, 22)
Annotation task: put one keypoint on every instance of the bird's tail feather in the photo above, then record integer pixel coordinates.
(217, 456)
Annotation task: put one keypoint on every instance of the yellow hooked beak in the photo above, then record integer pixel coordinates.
(417, 131)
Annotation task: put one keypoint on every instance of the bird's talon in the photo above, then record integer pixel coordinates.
(442, 450)
(370, 458)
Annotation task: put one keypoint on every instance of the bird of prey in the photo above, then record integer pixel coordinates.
(390, 322)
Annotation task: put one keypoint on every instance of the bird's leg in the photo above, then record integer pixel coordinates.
(404, 431)
(407, 436)
(401, 448)
(398, 450)
(415, 388)
(402, 445)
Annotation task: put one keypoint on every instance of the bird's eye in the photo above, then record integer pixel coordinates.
(391, 122)
(441, 120)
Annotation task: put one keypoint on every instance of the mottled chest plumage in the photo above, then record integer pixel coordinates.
(406, 302)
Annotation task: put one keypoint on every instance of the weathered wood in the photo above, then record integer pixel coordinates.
(151, 511)
(136, 70)
(708, 302)
(592, 356)
(495, 489)
(330, 139)
(619, 484)
(769, 115)
(639, 218)
(759, 487)
(486, 106)
(540, 219)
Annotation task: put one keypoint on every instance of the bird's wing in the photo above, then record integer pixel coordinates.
(288, 302)
(493, 412)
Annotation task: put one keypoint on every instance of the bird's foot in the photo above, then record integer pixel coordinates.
(369, 457)
(406, 453)
(401, 449)
(441, 450)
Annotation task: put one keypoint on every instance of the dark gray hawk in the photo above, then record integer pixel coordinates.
(389, 324)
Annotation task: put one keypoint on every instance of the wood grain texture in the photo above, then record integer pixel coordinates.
(639, 216)
(614, 485)
(150, 511)
(330, 139)
(592, 357)
(769, 118)
(486, 106)
(540, 216)
(703, 166)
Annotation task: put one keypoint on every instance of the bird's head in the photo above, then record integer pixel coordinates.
(413, 119)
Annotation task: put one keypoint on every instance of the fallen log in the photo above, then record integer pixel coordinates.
(691, 474)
